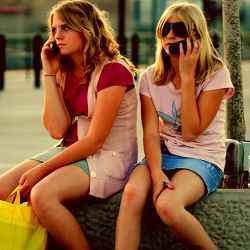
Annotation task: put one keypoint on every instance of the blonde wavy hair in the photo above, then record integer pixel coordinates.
(196, 25)
(99, 42)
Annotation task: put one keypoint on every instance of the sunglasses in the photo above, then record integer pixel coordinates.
(178, 28)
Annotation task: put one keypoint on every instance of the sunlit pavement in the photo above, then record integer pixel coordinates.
(21, 132)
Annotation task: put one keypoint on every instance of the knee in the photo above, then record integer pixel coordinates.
(4, 193)
(169, 211)
(40, 199)
(133, 197)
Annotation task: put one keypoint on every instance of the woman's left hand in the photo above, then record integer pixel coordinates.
(30, 178)
(188, 62)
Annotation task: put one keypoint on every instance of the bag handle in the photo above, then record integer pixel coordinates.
(15, 196)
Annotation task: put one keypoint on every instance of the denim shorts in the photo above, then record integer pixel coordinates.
(208, 172)
(46, 155)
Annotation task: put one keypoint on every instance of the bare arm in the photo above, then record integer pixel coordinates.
(151, 136)
(151, 141)
(196, 115)
(56, 118)
(107, 105)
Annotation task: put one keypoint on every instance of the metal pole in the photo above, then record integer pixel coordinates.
(232, 52)
(37, 65)
(135, 42)
(121, 26)
(2, 60)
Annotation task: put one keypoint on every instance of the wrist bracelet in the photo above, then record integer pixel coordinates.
(49, 74)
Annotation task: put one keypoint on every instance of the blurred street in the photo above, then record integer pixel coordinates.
(21, 132)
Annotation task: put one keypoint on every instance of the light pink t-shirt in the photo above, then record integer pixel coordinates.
(210, 145)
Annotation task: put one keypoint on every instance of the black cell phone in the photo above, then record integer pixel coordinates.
(174, 48)
(54, 48)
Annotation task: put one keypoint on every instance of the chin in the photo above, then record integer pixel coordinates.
(63, 52)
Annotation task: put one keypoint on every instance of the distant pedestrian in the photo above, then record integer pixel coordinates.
(183, 98)
(37, 64)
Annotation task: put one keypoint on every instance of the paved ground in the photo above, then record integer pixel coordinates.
(21, 131)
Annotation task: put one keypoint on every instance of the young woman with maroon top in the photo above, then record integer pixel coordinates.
(89, 103)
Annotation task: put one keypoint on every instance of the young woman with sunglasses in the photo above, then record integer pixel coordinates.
(90, 104)
(183, 106)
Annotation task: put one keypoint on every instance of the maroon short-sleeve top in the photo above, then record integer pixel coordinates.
(75, 93)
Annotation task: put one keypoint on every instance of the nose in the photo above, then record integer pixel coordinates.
(58, 33)
(170, 34)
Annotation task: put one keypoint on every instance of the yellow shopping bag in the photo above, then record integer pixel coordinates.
(19, 226)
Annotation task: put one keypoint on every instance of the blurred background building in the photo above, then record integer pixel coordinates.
(21, 20)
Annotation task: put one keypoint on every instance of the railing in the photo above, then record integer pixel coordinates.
(23, 51)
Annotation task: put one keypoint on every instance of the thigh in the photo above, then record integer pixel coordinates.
(140, 178)
(9, 180)
(189, 188)
(64, 184)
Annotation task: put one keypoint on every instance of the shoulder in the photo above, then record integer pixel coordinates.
(218, 80)
(221, 74)
(147, 75)
(148, 72)
(146, 81)
(117, 67)
(115, 73)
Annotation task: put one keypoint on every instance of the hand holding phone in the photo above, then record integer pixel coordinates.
(174, 48)
(50, 57)
(54, 48)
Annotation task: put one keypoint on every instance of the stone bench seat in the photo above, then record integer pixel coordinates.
(225, 215)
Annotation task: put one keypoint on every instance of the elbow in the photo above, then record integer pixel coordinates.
(191, 133)
(56, 131)
(95, 144)
(188, 136)
(56, 135)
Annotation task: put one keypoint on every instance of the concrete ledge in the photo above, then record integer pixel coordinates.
(225, 215)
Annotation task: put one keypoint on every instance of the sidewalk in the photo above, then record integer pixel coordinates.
(21, 132)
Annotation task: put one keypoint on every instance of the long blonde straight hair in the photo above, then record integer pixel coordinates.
(99, 42)
(195, 22)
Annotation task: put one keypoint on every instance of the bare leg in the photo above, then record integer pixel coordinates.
(128, 227)
(171, 204)
(47, 197)
(9, 180)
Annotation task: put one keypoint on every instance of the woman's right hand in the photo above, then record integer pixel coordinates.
(50, 61)
(188, 62)
(160, 181)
